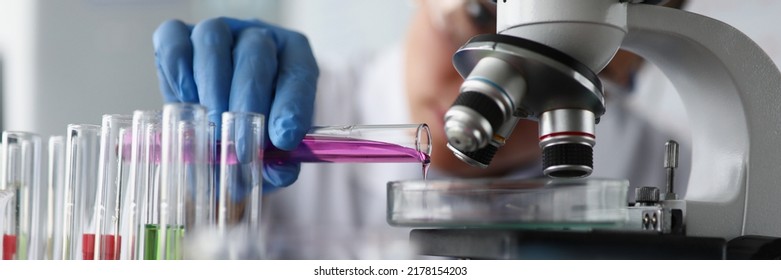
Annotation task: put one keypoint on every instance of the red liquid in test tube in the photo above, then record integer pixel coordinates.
(110, 247)
(9, 246)
(88, 247)
(108, 243)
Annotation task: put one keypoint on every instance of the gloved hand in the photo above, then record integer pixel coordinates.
(237, 65)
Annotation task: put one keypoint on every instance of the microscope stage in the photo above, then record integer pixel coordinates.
(581, 204)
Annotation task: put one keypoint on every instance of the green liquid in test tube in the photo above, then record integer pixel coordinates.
(150, 242)
(139, 224)
(186, 193)
(174, 238)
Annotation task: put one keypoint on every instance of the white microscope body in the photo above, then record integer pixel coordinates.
(730, 88)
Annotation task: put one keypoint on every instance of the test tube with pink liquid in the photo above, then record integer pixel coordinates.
(400, 143)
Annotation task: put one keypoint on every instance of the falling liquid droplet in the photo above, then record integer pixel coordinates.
(425, 170)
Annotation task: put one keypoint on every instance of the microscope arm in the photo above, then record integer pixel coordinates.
(731, 91)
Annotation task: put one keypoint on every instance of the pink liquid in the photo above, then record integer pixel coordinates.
(346, 150)
(329, 149)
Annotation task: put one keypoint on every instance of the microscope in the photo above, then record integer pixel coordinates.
(542, 64)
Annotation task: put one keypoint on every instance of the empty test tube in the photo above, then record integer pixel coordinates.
(81, 180)
(112, 182)
(56, 184)
(185, 195)
(213, 159)
(240, 186)
(21, 173)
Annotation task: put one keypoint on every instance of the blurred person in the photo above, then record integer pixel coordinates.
(335, 211)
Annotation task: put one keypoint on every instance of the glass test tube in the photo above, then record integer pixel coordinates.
(81, 181)
(8, 242)
(213, 157)
(360, 143)
(151, 148)
(21, 173)
(185, 197)
(240, 185)
(8, 225)
(139, 222)
(112, 182)
(55, 199)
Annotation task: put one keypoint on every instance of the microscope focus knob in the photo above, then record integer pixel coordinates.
(647, 195)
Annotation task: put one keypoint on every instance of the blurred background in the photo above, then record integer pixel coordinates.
(70, 61)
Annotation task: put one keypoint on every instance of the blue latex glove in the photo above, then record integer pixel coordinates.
(247, 66)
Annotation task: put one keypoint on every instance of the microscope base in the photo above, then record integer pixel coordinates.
(571, 245)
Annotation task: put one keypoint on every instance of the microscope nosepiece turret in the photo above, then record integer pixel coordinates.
(508, 78)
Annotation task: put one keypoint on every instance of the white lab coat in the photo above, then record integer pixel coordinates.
(337, 211)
